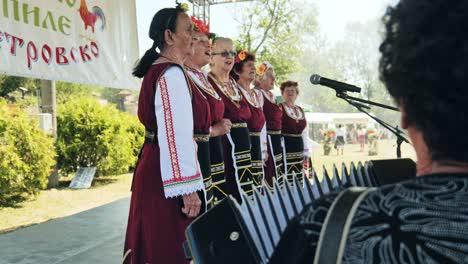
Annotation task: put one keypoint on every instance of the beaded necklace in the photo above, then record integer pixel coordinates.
(251, 97)
(229, 89)
(202, 82)
(295, 114)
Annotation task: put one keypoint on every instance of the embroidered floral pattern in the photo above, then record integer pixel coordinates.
(252, 97)
(295, 112)
(230, 90)
(170, 129)
(199, 78)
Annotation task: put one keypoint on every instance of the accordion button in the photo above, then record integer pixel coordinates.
(234, 236)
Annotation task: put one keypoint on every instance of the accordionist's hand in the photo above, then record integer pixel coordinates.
(192, 204)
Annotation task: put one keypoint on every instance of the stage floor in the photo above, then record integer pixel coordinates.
(93, 236)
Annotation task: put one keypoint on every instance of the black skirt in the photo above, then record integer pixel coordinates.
(293, 157)
(218, 186)
(274, 169)
(257, 163)
(339, 141)
(238, 162)
(203, 154)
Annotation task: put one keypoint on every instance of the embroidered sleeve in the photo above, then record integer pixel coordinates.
(305, 138)
(180, 170)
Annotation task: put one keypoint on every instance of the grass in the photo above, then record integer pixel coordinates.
(62, 201)
(387, 150)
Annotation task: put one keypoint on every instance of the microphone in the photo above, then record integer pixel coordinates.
(338, 86)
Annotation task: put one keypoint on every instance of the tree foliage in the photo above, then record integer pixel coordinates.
(9, 84)
(274, 30)
(91, 135)
(354, 60)
(26, 155)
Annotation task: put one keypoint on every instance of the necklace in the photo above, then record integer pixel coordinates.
(201, 81)
(271, 98)
(228, 89)
(251, 97)
(294, 112)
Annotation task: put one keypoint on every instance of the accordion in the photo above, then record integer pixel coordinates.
(248, 232)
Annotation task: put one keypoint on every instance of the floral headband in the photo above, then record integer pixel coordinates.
(263, 67)
(183, 6)
(201, 26)
(241, 55)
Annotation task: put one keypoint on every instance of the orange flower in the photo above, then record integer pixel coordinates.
(261, 69)
(242, 55)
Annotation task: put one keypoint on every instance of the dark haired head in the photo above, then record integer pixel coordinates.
(164, 19)
(423, 65)
(286, 84)
(239, 64)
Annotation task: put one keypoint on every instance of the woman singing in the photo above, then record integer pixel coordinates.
(210, 150)
(244, 73)
(294, 131)
(237, 158)
(167, 177)
(274, 117)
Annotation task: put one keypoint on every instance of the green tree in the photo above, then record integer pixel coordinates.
(91, 135)
(26, 155)
(274, 30)
(354, 60)
(67, 91)
(9, 84)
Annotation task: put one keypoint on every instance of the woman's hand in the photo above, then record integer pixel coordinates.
(221, 127)
(192, 204)
(265, 157)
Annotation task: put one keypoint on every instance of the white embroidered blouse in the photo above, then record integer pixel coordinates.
(180, 170)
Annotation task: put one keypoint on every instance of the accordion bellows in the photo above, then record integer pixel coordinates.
(249, 232)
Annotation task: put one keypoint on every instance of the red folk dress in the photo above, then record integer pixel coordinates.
(236, 144)
(292, 129)
(257, 132)
(216, 180)
(273, 111)
(167, 169)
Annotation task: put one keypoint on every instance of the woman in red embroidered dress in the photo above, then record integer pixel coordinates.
(273, 114)
(237, 159)
(244, 73)
(210, 150)
(167, 177)
(294, 131)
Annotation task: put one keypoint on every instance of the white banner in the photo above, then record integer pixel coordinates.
(83, 41)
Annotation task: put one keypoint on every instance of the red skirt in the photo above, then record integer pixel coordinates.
(156, 225)
(362, 138)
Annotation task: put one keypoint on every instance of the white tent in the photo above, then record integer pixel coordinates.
(338, 118)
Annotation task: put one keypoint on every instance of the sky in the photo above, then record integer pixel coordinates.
(333, 16)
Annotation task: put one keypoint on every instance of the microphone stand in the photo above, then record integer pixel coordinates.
(395, 130)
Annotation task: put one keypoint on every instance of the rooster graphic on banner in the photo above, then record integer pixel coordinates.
(90, 17)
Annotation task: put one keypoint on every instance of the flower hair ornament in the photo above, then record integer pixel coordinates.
(263, 67)
(241, 55)
(212, 38)
(201, 26)
(183, 6)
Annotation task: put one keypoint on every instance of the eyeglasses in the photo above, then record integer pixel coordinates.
(225, 53)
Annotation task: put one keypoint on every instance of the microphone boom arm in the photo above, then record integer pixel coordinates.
(345, 96)
(395, 130)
